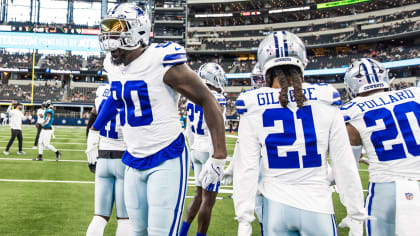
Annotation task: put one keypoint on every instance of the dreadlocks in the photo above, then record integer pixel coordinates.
(287, 76)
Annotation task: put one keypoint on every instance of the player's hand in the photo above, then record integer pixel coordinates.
(228, 175)
(212, 174)
(244, 229)
(92, 149)
(355, 226)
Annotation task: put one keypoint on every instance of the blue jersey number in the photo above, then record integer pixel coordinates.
(391, 131)
(192, 109)
(288, 138)
(136, 100)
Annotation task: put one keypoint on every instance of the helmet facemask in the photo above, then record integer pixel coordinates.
(118, 33)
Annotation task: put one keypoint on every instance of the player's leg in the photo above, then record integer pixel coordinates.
(314, 223)
(258, 210)
(47, 144)
(135, 196)
(124, 226)
(208, 200)
(40, 146)
(166, 189)
(380, 203)
(11, 140)
(280, 219)
(104, 198)
(20, 141)
(39, 128)
(195, 204)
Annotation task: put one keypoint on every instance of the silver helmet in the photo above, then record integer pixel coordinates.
(365, 75)
(125, 26)
(281, 48)
(257, 76)
(213, 74)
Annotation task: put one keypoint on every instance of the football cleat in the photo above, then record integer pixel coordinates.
(6, 153)
(21, 153)
(38, 158)
(57, 156)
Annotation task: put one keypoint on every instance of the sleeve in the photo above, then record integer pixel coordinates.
(329, 94)
(107, 112)
(346, 111)
(174, 54)
(246, 169)
(345, 170)
(240, 104)
(222, 100)
(336, 97)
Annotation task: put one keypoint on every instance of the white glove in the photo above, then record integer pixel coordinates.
(244, 229)
(92, 146)
(228, 175)
(355, 226)
(212, 174)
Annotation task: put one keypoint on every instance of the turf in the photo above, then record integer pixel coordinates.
(66, 208)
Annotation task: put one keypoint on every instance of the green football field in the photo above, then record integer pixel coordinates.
(57, 198)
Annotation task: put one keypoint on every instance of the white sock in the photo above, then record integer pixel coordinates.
(52, 148)
(97, 226)
(123, 228)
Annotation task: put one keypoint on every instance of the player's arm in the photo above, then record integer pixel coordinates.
(92, 118)
(184, 80)
(108, 111)
(346, 175)
(47, 119)
(245, 178)
(355, 141)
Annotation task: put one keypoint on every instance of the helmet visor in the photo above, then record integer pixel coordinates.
(114, 26)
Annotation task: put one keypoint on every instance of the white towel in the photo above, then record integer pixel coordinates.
(407, 217)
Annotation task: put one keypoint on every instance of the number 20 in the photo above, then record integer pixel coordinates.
(391, 131)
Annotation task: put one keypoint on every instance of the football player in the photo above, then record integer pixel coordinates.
(257, 81)
(213, 76)
(40, 119)
(46, 133)
(145, 81)
(293, 125)
(109, 171)
(386, 124)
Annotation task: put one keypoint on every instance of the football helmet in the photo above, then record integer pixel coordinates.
(102, 89)
(364, 75)
(213, 74)
(125, 26)
(281, 48)
(48, 104)
(257, 77)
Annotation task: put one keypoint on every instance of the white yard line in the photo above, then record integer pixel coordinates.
(46, 181)
(53, 160)
(59, 149)
(52, 142)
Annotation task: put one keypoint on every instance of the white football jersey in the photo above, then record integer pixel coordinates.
(150, 121)
(293, 143)
(198, 126)
(389, 127)
(111, 134)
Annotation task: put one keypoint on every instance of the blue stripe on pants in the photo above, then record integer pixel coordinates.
(369, 200)
(181, 194)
